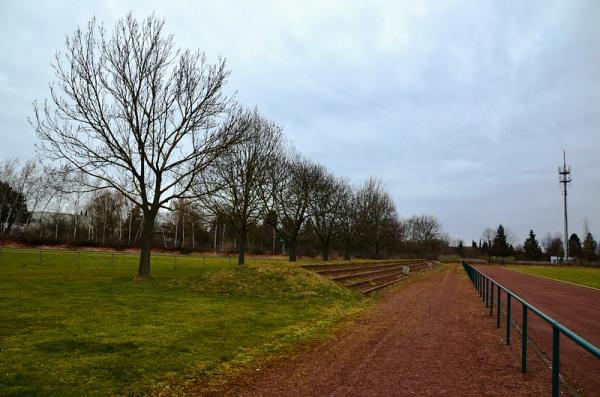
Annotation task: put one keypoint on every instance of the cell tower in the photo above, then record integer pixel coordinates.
(564, 177)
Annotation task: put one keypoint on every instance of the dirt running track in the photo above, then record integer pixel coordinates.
(428, 337)
(577, 308)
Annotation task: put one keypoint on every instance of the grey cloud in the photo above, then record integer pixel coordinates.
(453, 104)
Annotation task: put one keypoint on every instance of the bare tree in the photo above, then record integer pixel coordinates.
(239, 177)
(326, 207)
(349, 222)
(137, 114)
(376, 212)
(8, 172)
(553, 244)
(291, 183)
(488, 236)
(424, 228)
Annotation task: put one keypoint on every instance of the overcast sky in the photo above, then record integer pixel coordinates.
(462, 108)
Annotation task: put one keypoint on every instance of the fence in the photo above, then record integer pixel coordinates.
(42, 256)
(486, 285)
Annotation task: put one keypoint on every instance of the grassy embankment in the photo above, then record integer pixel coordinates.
(83, 327)
(587, 276)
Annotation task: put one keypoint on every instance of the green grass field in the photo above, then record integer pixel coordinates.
(82, 326)
(578, 275)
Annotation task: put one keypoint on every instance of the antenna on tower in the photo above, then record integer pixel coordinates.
(564, 177)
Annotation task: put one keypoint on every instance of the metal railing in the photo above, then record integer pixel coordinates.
(486, 285)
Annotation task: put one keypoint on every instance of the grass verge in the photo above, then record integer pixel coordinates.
(85, 328)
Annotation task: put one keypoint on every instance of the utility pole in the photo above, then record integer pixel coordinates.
(564, 177)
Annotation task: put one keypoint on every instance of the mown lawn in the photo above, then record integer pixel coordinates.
(579, 275)
(84, 327)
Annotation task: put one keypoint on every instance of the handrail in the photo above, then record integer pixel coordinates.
(483, 283)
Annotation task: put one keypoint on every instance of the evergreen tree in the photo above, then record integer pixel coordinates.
(500, 247)
(575, 246)
(474, 245)
(531, 247)
(589, 247)
(485, 248)
(460, 249)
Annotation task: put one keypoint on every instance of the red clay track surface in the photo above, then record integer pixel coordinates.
(430, 336)
(575, 307)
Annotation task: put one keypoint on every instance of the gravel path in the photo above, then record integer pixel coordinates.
(428, 337)
(575, 307)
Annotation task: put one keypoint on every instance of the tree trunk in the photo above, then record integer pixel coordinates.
(193, 237)
(292, 250)
(325, 251)
(347, 251)
(146, 246)
(242, 246)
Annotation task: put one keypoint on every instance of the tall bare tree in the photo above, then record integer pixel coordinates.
(139, 115)
(349, 220)
(376, 212)
(239, 178)
(291, 184)
(424, 228)
(326, 207)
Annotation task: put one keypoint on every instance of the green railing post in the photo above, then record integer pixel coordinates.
(487, 290)
(524, 341)
(484, 289)
(498, 314)
(492, 300)
(508, 298)
(555, 361)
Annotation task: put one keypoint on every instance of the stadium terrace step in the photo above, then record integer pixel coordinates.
(388, 283)
(369, 277)
(327, 267)
(349, 276)
(331, 273)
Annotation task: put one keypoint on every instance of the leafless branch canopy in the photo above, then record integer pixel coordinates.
(134, 112)
(238, 178)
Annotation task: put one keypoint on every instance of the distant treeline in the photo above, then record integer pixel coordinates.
(498, 246)
(346, 221)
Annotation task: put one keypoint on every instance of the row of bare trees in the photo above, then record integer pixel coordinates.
(141, 126)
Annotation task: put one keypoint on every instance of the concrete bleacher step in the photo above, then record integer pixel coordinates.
(362, 274)
(374, 288)
(375, 280)
(369, 277)
(332, 274)
(327, 267)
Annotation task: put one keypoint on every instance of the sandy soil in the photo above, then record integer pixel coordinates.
(428, 337)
